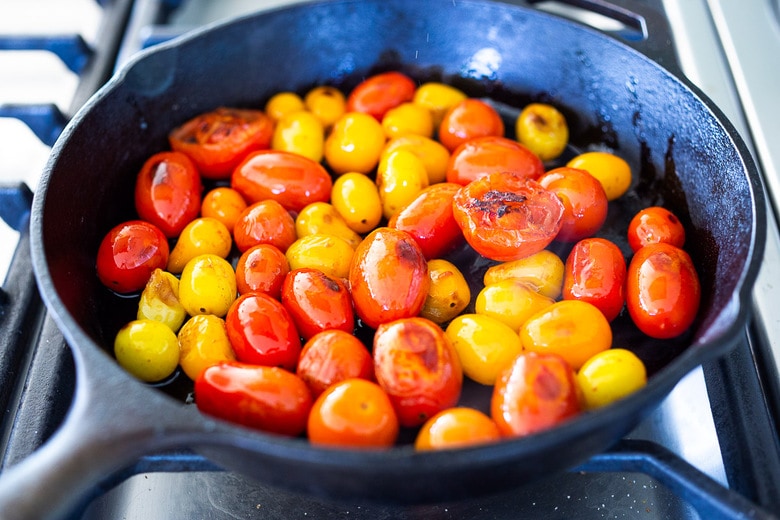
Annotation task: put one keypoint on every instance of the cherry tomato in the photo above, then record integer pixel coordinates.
(331, 356)
(457, 427)
(655, 224)
(662, 290)
(129, 253)
(417, 366)
(595, 272)
(506, 217)
(407, 118)
(613, 172)
(609, 376)
(543, 271)
(168, 192)
(584, 201)
(282, 104)
(353, 413)
(388, 277)
(543, 129)
(449, 292)
(469, 119)
(354, 144)
(266, 398)
(432, 153)
(492, 154)
(429, 219)
(317, 302)
(147, 349)
(218, 140)
(262, 332)
(224, 204)
(261, 268)
(438, 98)
(534, 393)
(292, 180)
(377, 94)
(203, 341)
(327, 103)
(264, 222)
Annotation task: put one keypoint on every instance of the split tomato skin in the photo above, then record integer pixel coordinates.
(492, 154)
(381, 92)
(595, 272)
(129, 253)
(317, 302)
(663, 291)
(168, 192)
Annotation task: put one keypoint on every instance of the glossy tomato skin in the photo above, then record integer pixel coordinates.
(332, 356)
(379, 93)
(655, 224)
(266, 398)
(505, 217)
(584, 200)
(429, 219)
(415, 363)
(595, 272)
(534, 393)
(492, 154)
(264, 222)
(317, 302)
(469, 119)
(292, 180)
(262, 268)
(168, 192)
(262, 332)
(388, 277)
(663, 291)
(218, 140)
(129, 253)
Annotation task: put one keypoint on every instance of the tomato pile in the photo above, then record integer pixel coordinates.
(302, 264)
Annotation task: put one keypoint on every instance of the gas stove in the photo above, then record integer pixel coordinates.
(711, 450)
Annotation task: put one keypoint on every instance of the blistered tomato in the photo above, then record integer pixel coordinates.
(224, 204)
(201, 236)
(264, 222)
(356, 198)
(332, 356)
(469, 119)
(261, 268)
(328, 253)
(596, 273)
(613, 172)
(543, 271)
(457, 427)
(449, 293)
(317, 302)
(379, 93)
(160, 300)
(323, 219)
(492, 154)
(584, 202)
(129, 253)
(203, 341)
(147, 349)
(432, 153)
(207, 285)
(354, 143)
(543, 129)
(609, 376)
(655, 224)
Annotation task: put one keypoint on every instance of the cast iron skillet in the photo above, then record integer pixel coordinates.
(686, 155)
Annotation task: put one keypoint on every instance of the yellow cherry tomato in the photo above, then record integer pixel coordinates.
(407, 118)
(433, 154)
(300, 132)
(401, 176)
(356, 198)
(610, 375)
(160, 300)
(283, 103)
(354, 144)
(203, 235)
(207, 285)
(573, 329)
(147, 349)
(543, 129)
(510, 301)
(328, 104)
(224, 204)
(448, 293)
(203, 341)
(437, 98)
(612, 172)
(330, 254)
(484, 344)
(543, 271)
(322, 218)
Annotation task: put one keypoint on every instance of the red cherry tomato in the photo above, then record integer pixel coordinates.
(262, 332)
(264, 222)
(505, 217)
(467, 120)
(317, 302)
(168, 192)
(379, 93)
(429, 219)
(332, 356)
(418, 367)
(270, 399)
(129, 253)
(388, 277)
(655, 224)
(662, 290)
(534, 393)
(261, 268)
(218, 140)
(492, 154)
(294, 181)
(584, 200)
(595, 272)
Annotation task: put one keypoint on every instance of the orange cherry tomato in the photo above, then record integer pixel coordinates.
(261, 268)
(429, 219)
(415, 363)
(331, 356)
(129, 253)
(662, 290)
(317, 302)
(584, 200)
(388, 277)
(353, 413)
(262, 332)
(379, 93)
(469, 119)
(595, 272)
(218, 140)
(492, 154)
(655, 224)
(264, 222)
(168, 192)
(224, 204)
(534, 393)
(294, 181)
(505, 217)
(266, 398)
(457, 427)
